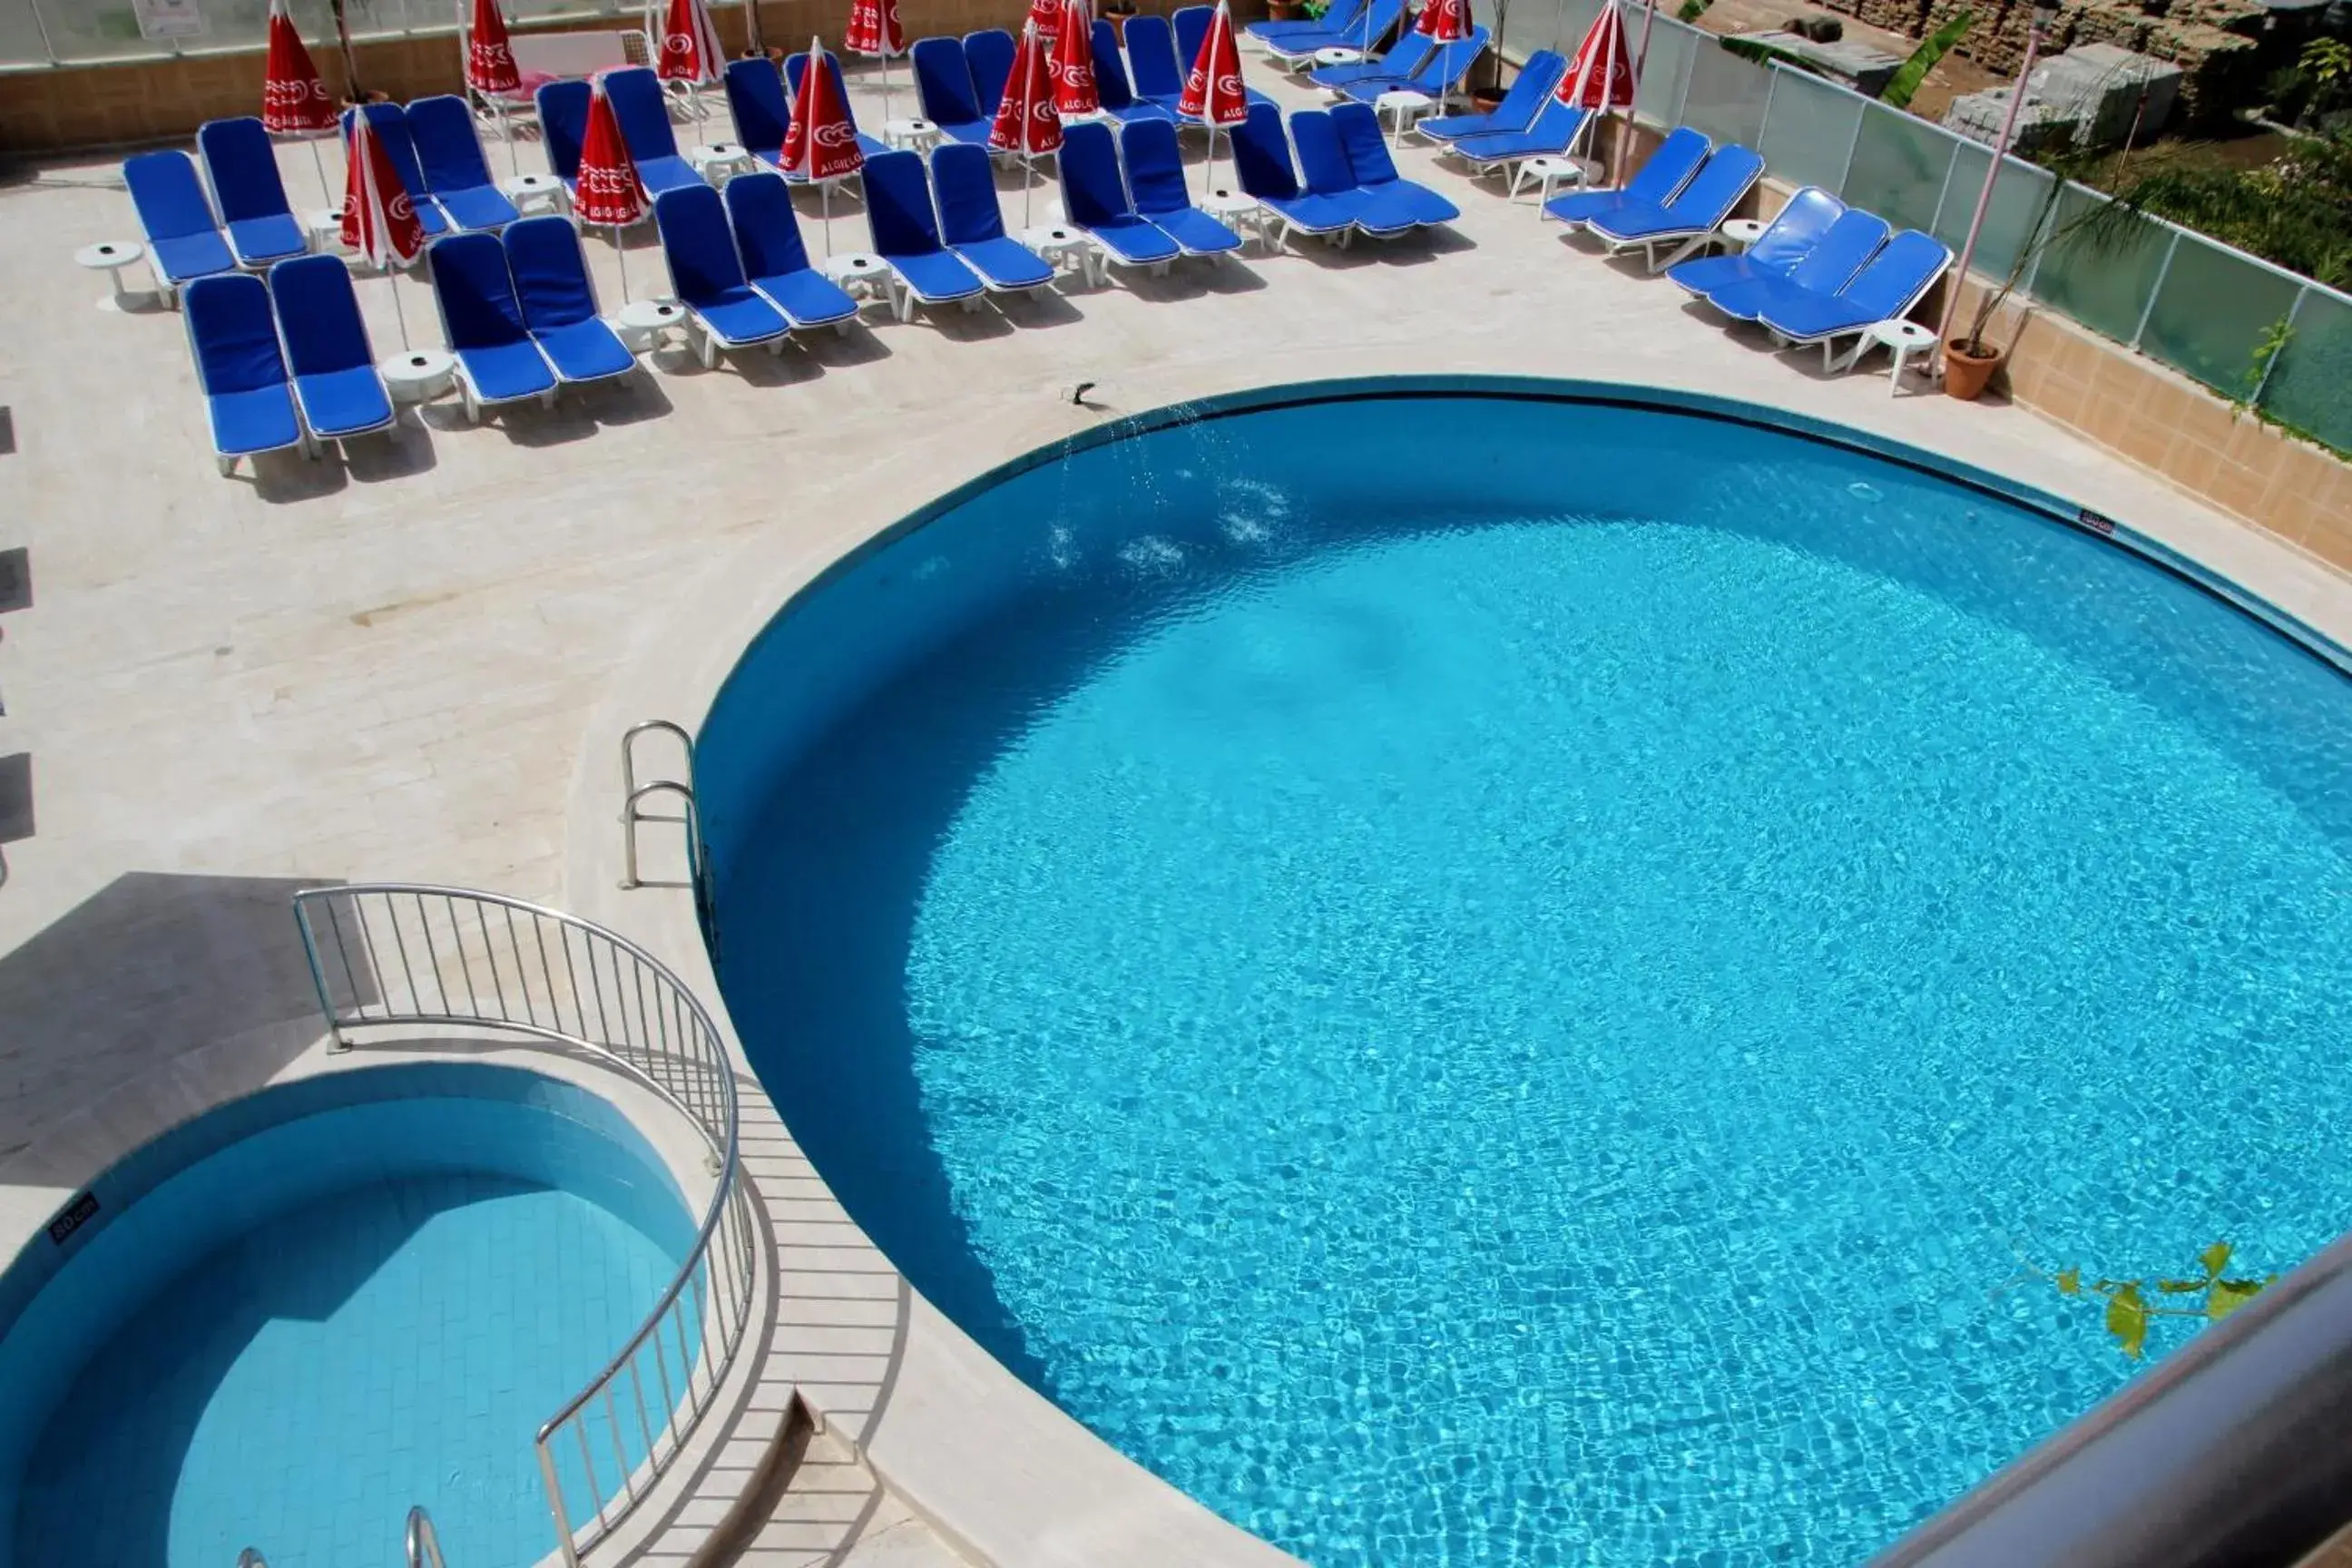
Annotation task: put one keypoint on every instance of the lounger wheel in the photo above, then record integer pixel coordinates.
(710, 350)
(226, 466)
(842, 327)
(776, 347)
(473, 406)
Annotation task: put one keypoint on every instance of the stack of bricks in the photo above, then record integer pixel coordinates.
(2212, 41)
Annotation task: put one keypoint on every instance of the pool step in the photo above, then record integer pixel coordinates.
(833, 1511)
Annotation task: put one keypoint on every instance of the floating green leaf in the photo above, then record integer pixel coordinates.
(2215, 1258)
(2128, 1320)
(2068, 1281)
(2183, 1287)
(2228, 1295)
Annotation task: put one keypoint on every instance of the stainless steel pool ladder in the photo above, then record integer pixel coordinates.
(423, 1544)
(251, 1558)
(635, 794)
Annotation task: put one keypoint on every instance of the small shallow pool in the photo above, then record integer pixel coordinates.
(1494, 976)
(293, 1318)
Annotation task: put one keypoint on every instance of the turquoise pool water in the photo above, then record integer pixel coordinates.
(328, 1305)
(1481, 981)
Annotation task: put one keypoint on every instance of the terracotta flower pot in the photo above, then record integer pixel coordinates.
(1965, 374)
(1486, 99)
(1283, 10)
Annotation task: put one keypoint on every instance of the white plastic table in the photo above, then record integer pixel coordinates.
(864, 276)
(721, 161)
(1547, 174)
(642, 322)
(1238, 211)
(1903, 339)
(918, 135)
(418, 375)
(534, 193)
(1337, 57)
(110, 257)
(1401, 107)
(1067, 249)
(326, 228)
(1740, 232)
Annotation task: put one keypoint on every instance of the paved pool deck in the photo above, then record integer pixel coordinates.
(417, 664)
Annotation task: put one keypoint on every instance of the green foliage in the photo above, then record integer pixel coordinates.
(2267, 349)
(1908, 76)
(2129, 1311)
(1692, 10)
(1763, 53)
(2296, 212)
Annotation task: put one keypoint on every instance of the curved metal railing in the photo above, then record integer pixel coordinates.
(423, 1541)
(414, 955)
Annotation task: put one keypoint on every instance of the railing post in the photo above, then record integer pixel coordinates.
(336, 1041)
(555, 1504)
(2163, 271)
(1846, 176)
(2262, 383)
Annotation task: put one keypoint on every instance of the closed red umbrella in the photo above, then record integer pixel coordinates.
(1075, 94)
(874, 29)
(1213, 88)
(1601, 77)
(821, 144)
(690, 51)
(490, 69)
(380, 221)
(1442, 22)
(1026, 120)
(294, 98)
(1045, 15)
(607, 190)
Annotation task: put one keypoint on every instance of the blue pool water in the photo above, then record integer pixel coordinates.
(1518, 986)
(290, 1339)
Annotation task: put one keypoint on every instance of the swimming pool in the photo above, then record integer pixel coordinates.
(1498, 975)
(291, 1319)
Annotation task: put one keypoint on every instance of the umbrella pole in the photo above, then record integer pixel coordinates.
(824, 204)
(1208, 170)
(886, 81)
(620, 255)
(391, 277)
(319, 161)
(507, 130)
(1027, 169)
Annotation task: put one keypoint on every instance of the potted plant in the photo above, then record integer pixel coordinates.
(1116, 12)
(1972, 359)
(1285, 10)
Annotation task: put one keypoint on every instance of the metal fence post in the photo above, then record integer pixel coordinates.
(2164, 272)
(2255, 398)
(1852, 148)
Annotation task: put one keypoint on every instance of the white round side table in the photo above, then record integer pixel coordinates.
(1238, 211)
(1903, 339)
(534, 193)
(1064, 248)
(1400, 108)
(110, 257)
(1547, 174)
(1326, 58)
(721, 161)
(918, 135)
(418, 375)
(1741, 231)
(642, 322)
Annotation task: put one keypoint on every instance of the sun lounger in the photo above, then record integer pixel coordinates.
(563, 126)
(641, 109)
(943, 86)
(1095, 200)
(775, 258)
(1406, 55)
(907, 235)
(242, 167)
(1688, 221)
(1190, 27)
(1324, 172)
(1397, 202)
(1557, 128)
(1263, 167)
(1794, 230)
(1886, 290)
(559, 301)
(707, 277)
(1343, 17)
(1363, 33)
(390, 123)
(1155, 178)
(1832, 262)
(233, 338)
(1437, 77)
(336, 384)
(988, 54)
(763, 114)
(796, 68)
(481, 320)
(1667, 168)
(449, 152)
(1111, 86)
(1533, 88)
(1152, 62)
(183, 239)
(972, 225)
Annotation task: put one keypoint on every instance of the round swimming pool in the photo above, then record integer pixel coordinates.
(1500, 976)
(288, 1321)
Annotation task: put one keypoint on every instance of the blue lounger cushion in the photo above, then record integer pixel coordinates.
(704, 272)
(1895, 281)
(1361, 31)
(1832, 263)
(1557, 128)
(641, 109)
(776, 257)
(972, 225)
(796, 67)
(763, 114)
(183, 239)
(1438, 75)
(988, 54)
(1343, 17)
(247, 392)
(1794, 230)
(1189, 25)
(482, 321)
(1667, 171)
(390, 123)
(943, 87)
(906, 234)
(1324, 170)
(1155, 177)
(558, 300)
(327, 349)
(1406, 55)
(1396, 201)
(1094, 199)
(243, 168)
(1111, 86)
(563, 125)
(1530, 90)
(1726, 177)
(1262, 165)
(449, 151)
(1152, 62)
